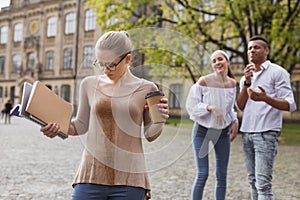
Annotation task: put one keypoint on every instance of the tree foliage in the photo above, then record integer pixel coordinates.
(205, 26)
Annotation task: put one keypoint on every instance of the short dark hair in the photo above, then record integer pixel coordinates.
(259, 37)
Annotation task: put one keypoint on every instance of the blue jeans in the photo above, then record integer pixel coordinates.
(201, 138)
(260, 150)
(87, 191)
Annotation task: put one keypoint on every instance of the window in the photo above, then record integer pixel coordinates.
(88, 55)
(70, 23)
(66, 92)
(90, 20)
(51, 27)
(12, 92)
(5, 92)
(49, 60)
(18, 32)
(30, 60)
(2, 64)
(176, 96)
(16, 63)
(68, 58)
(113, 21)
(55, 89)
(3, 34)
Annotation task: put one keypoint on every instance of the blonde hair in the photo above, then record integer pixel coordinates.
(116, 41)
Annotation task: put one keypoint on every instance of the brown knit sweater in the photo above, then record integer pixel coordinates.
(115, 121)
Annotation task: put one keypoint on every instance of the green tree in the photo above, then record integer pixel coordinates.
(199, 27)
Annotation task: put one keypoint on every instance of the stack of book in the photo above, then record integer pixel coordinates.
(42, 106)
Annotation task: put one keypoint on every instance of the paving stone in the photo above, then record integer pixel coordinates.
(34, 167)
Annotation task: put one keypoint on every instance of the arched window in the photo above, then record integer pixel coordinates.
(30, 60)
(18, 32)
(1, 92)
(70, 24)
(90, 20)
(16, 63)
(88, 55)
(49, 60)
(66, 92)
(51, 26)
(3, 34)
(68, 58)
(2, 64)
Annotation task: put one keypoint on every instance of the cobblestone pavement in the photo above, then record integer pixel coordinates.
(33, 167)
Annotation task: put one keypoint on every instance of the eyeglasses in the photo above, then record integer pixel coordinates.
(110, 66)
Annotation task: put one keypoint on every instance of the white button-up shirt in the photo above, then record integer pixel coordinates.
(201, 96)
(258, 116)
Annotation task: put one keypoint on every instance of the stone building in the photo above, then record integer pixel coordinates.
(53, 41)
(50, 41)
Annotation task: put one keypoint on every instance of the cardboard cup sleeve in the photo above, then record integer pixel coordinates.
(153, 98)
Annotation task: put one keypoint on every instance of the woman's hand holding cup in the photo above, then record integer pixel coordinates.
(158, 106)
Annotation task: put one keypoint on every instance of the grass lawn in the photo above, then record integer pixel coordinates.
(290, 131)
(290, 134)
(186, 123)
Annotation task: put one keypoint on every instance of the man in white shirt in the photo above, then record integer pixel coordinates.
(265, 91)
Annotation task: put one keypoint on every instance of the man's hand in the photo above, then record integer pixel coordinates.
(257, 96)
(248, 72)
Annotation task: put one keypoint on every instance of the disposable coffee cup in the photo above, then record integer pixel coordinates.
(153, 98)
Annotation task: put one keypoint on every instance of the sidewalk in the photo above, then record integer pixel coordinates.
(35, 167)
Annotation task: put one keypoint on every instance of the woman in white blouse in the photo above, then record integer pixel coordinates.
(210, 105)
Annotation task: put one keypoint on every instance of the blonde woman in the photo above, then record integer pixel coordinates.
(210, 105)
(112, 109)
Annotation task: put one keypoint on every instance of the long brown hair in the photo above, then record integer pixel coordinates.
(229, 73)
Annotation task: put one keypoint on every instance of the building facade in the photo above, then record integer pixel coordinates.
(51, 41)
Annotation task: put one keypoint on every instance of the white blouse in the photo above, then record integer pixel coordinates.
(201, 96)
